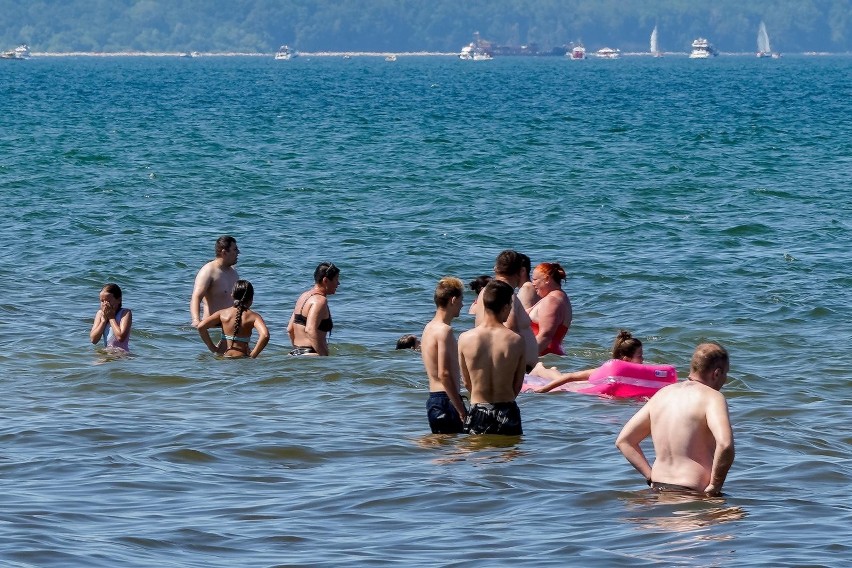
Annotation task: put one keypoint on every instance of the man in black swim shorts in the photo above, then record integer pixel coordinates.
(492, 359)
(445, 408)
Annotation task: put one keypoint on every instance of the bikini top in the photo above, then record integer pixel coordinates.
(325, 325)
(237, 339)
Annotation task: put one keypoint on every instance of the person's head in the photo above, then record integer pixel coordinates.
(111, 294)
(497, 298)
(327, 276)
(408, 341)
(526, 268)
(243, 294)
(448, 295)
(226, 249)
(548, 276)
(479, 283)
(508, 266)
(627, 348)
(710, 365)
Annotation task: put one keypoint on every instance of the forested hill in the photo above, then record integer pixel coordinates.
(417, 25)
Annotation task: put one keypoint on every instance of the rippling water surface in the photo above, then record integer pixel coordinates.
(688, 200)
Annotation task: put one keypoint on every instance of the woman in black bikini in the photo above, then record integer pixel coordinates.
(236, 324)
(311, 322)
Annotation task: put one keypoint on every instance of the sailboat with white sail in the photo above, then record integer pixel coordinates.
(763, 48)
(655, 48)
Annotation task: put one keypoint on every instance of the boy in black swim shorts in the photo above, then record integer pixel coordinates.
(492, 359)
(445, 408)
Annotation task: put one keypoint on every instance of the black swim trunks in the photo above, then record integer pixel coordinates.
(670, 487)
(302, 351)
(443, 418)
(497, 418)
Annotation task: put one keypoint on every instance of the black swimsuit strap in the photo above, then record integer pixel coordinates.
(306, 301)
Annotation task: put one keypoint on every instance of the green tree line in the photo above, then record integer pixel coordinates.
(417, 25)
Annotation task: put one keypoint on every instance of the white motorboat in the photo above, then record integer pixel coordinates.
(473, 52)
(286, 53)
(20, 52)
(390, 57)
(608, 53)
(702, 49)
(577, 52)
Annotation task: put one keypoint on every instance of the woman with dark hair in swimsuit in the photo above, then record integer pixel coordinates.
(236, 324)
(311, 323)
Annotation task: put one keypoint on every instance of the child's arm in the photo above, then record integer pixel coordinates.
(98, 327)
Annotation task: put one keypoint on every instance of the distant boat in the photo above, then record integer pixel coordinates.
(286, 53)
(577, 53)
(20, 52)
(702, 49)
(390, 57)
(473, 52)
(608, 53)
(763, 48)
(655, 48)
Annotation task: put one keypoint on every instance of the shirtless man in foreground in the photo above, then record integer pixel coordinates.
(215, 282)
(689, 425)
(492, 365)
(445, 409)
(508, 269)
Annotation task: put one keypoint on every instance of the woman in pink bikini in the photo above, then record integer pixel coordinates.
(551, 316)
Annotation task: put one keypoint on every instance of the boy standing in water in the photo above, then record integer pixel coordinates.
(689, 425)
(439, 350)
(492, 360)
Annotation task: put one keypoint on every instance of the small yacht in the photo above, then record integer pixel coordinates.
(608, 53)
(702, 49)
(472, 52)
(20, 52)
(286, 53)
(577, 52)
(390, 57)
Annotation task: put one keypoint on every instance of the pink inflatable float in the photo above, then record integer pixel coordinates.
(615, 378)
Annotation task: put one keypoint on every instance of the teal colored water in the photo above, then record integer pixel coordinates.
(687, 200)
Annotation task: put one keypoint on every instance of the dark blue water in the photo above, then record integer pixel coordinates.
(688, 200)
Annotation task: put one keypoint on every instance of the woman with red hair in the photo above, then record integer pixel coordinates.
(551, 316)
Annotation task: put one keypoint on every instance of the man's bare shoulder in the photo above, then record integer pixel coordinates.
(437, 330)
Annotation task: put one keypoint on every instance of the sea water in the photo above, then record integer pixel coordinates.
(687, 201)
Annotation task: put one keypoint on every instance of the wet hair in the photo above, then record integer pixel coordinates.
(407, 342)
(526, 264)
(325, 270)
(496, 295)
(707, 357)
(113, 288)
(447, 289)
(224, 243)
(243, 295)
(625, 345)
(552, 270)
(479, 283)
(508, 263)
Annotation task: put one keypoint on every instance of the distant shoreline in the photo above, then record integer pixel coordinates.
(187, 55)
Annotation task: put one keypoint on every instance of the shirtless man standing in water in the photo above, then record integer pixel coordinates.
(507, 268)
(445, 408)
(215, 282)
(689, 425)
(492, 363)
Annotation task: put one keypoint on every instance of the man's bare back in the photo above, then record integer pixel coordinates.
(690, 428)
(519, 322)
